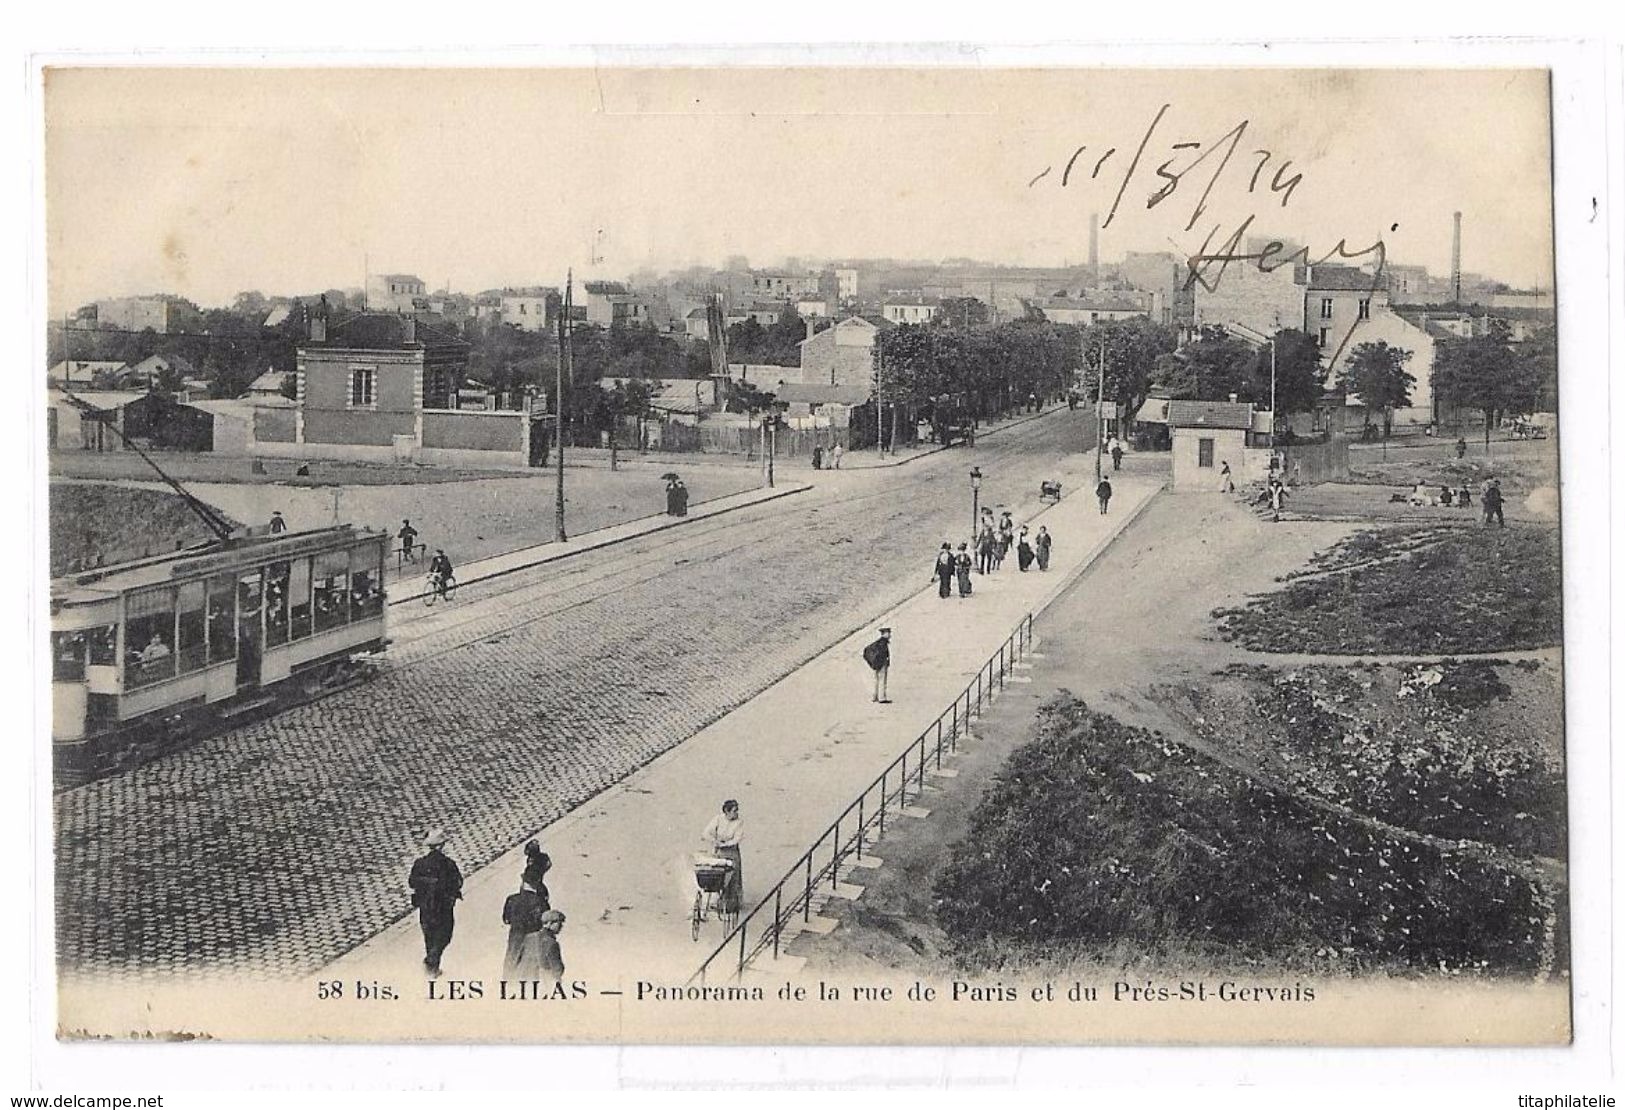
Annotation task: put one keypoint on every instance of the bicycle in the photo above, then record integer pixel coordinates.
(440, 589)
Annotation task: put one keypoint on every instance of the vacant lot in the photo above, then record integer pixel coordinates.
(1460, 750)
(471, 518)
(1096, 832)
(111, 524)
(1410, 590)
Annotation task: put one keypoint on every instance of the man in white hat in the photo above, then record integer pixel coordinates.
(436, 885)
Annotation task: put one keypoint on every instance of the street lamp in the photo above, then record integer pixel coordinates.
(975, 498)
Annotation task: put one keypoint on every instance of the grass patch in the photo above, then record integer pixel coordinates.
(1096, 833)
(1460, 750)
(114, 524)
(1414, 590)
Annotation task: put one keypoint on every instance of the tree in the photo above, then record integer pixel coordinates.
(1486, 374)
(964, 313)
(1300, 379)
(1132, 348)
(1376, 373)
(1216, 366)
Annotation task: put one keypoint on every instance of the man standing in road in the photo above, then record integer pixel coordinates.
(1104, 492)
(436, 885)
(1492, 503)
(1117, 455)
(878, 656)
(836, 454)
(278, 525)
(408, 536)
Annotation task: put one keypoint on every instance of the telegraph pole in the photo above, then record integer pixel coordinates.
(880, 408)
(1100, 409)
(561, 374)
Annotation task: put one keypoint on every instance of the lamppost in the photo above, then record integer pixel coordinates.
(975, 499)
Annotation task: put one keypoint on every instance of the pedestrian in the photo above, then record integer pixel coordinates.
(1032, 401)
(1007, 537)
(818, 456)
(1446, 496)
(1117, 455)
(1492, 503)
(1277, 491)
(1461, 447)
(277, 523)
(1464, 497)
(986, 544)
(1041, 546)
(962, 564)
(836, 455)
(549, 956)
(722, 837)
(537, 864)
(878, 656)
(1225, 481)
(522, 914)
(408, 536)
(1024, 551)
(944, 570)
(436, 885)
(1104, 492)
(1072, 400)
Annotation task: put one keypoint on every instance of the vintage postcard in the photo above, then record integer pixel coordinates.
(805, 555)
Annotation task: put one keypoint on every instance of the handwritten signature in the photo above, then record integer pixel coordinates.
(1206, 267)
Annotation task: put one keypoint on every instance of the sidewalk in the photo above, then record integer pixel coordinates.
(483, 570)
(794, 756)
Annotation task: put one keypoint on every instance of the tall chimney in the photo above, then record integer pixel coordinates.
(1094, 249)
(1455, 261)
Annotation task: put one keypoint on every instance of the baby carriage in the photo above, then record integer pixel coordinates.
(711, 875)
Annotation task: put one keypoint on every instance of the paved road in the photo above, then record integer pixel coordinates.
(279, 846)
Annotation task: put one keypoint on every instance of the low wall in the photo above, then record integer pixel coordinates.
(474, 431)
(274, 425)
(376, 429)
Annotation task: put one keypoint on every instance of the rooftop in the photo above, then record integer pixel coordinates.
(1210, 414)
(1344, 278)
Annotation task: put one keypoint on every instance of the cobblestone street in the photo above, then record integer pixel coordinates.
(276, 847)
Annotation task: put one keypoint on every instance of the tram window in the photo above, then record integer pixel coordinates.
(366, 588)
(299, 599)
(103, 645)
(276, 604)
(332, 593)
(149, 636)
(222, 617)
(192, 651)
(68, 655)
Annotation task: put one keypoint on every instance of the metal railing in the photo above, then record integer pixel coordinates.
(846, 838)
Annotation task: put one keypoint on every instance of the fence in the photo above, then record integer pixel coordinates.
(1319, 462)
(845, 838)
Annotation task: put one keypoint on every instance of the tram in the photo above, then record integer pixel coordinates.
(146, 649)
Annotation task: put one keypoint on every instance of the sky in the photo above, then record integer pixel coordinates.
(206, 182)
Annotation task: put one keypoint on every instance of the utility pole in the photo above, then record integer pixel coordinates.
(1272, 393)
(1100, 409)
(561, 374)
(880, 408)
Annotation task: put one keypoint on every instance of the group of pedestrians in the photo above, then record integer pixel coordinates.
(994, 542)
(533, 924)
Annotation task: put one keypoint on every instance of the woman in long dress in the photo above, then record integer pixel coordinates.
(523, 913)
(1041, 547)
(962, 565)
(1024, 551)
(723, 835)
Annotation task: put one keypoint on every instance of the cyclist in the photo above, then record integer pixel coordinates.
(440, 572)
(408, 536)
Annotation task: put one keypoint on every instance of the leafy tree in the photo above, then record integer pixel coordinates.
(1132, 349)
(1300, 379)
(964, 313)
(1486, 374)
(1376, 373)
(1212, 367)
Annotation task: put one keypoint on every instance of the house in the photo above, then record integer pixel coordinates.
(911, 310)
(527, 308)
(844, 353)
(268, 384)
(814, 306)
(1259, 301)
(1382, 324)
(150, 368)
(68, 427)
(782, 286)
(1206, 435)
(608, 310)
(846, 284)
(384, 387)
(81, 373)
(1095, 307)
(1338, 298)
(396, 293)
(134, 314)
(834, 401)
(697, 325)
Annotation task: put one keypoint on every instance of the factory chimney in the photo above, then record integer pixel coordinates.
(1455, 261)
(1094, 249)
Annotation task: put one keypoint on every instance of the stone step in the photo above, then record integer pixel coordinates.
(915, 811)
(942, 773)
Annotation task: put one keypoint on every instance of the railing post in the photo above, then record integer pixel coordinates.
(921, 769)
(835, 856)
(806, 902)
(902, 785)
(777, 897)
(955, 732)
(862, 824)
(741, 973)
(939, 743)
(882, 805)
